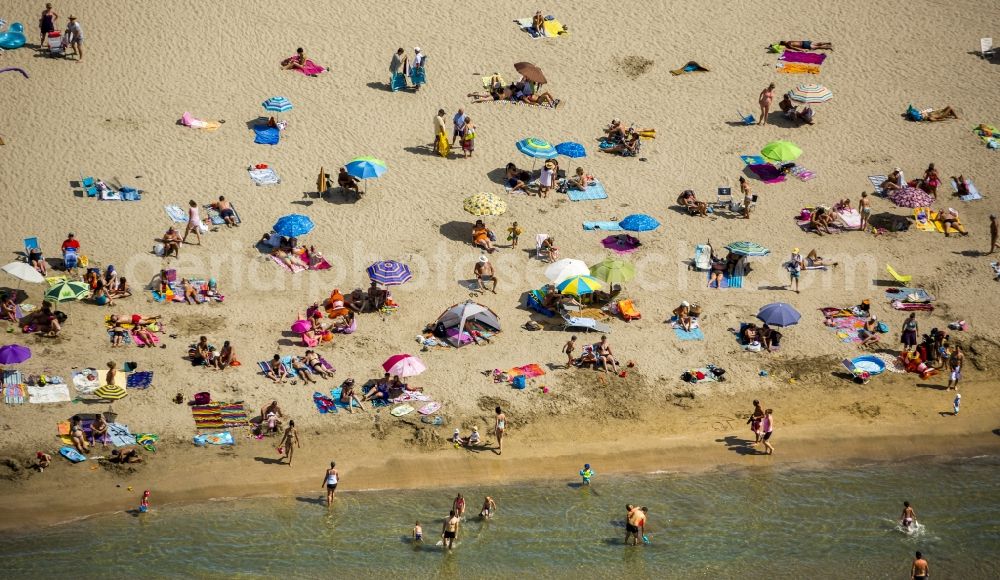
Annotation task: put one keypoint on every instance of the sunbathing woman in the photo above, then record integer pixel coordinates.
(297, 61)
(315, 364)
(628, 147)
(580, 181)
(225, 358)
(118, 332)
(144, 334)
(513, 178)
(348, 396)
(941, 114)
(894, 181)
(481, 237)
(190, 292)
(549, 247)
(683, 315)
(690, 201)
(545, 98)
(821, 220)
(494, 94)
(37, 260)
(76, 434)
(867, 334)
(718, 272)
(303, 370)
(800, 45)
(9, 308)
(122, 290)
(98, 430)
(813, 260)
(288, 258)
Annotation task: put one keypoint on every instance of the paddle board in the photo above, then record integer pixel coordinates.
(401, 410)
(429, 408)
(72, 454)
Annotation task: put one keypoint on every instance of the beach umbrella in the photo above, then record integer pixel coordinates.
(301, 326)
(484, 204)
(779, 314)
(536, 148)
(811, 93)
(293, 225)
(67, 290)
(530, 72)
(110, 392)
(404, 365)
(911, 197)
(322, 180)
(366, 167)
(566, 268)
(613, 271)
(389, 273)
(24, 271)
(571, 149)
(277, 105)
(782, 151)
(639, 222)
(748, 249)
(13, 354)
(579, 285)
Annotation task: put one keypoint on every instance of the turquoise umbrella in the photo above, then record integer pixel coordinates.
(748, 249)
(536, 148)
(366, 168)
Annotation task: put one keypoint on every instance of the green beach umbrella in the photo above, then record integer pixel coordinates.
(613, 271)
(67, 290)
(782, 151)
(748, 249)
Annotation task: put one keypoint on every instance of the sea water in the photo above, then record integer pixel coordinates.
(765, 522)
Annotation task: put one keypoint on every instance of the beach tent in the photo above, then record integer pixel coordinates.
(452, 320)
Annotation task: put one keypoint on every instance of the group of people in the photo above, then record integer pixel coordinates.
(401, 66)
(523, 91)
(761, 423)
(72, 37)
(463, 134)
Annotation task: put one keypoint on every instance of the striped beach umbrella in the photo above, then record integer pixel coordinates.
(811, 93)
(277, 105)
(389, 273)
(639, 222)
(110, 392)
(782, 151)
(748, 249)
(484, 204)
(571, 149)
(404, 365)
(536, 148)
(66, 290)
(613, 271)
(579, 285)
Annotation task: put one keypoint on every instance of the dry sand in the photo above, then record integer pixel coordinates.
(114, 116)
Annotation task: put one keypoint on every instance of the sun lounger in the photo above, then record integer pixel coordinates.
(89, 185)
(533, 302)
(897, 276)
(55, 42)
(702, 257)
(986, 49)
(973, 192)
(628, 310)
(585, 323)
(746, 119)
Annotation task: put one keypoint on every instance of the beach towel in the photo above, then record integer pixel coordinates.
(140, 341)
(139, 380)
(529, 371)
(694, 334)
(233, 414)
(991, 137)
(224, 438)
(847, 327)
(264, 135)
(904, 294)
(851, 218)
(603, 226)
(802, 173)
(14, 394)
(12, 377)
(797, 68)
(429, 408)
(553, 28)
(899, 305)
(324, 404)
(207, 416)
(147, 440)
(690, 67)
(401, 410)
(176, 214)
(767, 172)
(120, 435)
(803, 57)
(752, 160)
(215, 218)
(84, 383)
(335, 395)
(973, 192)
(265, 176)
(594, 191)
(310, 69)
(922, 219)
(48, 394)
(526, 25)
(188, 120)
(294, 269)
(410, 396)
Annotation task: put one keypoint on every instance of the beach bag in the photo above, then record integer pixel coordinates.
(202, 398)
(519, 382)
(883, 327)
(158, 249)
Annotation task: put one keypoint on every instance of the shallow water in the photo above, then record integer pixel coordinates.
(762, 522)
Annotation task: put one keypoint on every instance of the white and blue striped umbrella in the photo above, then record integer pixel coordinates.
(277, 104)
(389, 273)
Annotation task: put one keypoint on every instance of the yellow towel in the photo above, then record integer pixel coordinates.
(795, 68)
(926, 226)
(554, 28)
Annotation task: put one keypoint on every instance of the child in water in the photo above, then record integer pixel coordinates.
(144, 504)
(418, 532)
(586, 473)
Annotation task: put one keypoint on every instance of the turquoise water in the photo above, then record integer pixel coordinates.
(762, 522)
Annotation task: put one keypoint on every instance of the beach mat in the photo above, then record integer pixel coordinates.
(593, 192)
(798, 68)
(752, 160)
(216, 219)
(803, 57)
(120, 435)
(224, 438)
(690, 67)
(264, 135)
(176, 214)
(693, 334)
(922, 217)
(48, 394)
(603, 226)
(766, 172)
(139, 380)
(973, 192)
(14, 394)
(529, 371)
(266, 176)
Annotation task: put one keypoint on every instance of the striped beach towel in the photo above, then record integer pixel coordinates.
(14, 394)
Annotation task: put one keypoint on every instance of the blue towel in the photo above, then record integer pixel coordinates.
(973, 192)
(753, 159)
(603, 226)
(593, 191)
(397, 82)
(734, 281)
(175, 213)
(120, 435)
(139, 380)
(335, 395)
(265, 135)
(695, 334)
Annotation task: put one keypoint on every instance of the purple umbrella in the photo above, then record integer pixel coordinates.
(621, 244)
(13, 354)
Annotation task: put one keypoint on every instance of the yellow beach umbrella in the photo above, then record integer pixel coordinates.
(111, 392)
(485, 204)
(579, 285)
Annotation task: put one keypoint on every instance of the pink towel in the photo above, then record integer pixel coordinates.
(804, 57)
(310, 68)
(279, 262)
(138, 340)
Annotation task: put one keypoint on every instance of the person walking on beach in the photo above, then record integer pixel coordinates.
(794, 269)
(459, 123)
(289, 441)
(449, 532)
(513, 233)
(194, 222)
(865, 209)
(910, 329)
(920, 569)
(499, 426)
(47, 24)
(330, 479)
(568, 350)
(458, 506)
(994, 233)
(765, 100)
(767, 425)
(755, 419)
(74, 38)
(955, 366)
(908, 517)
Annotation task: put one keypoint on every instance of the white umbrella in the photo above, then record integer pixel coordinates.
(23, 271)
(566, 268)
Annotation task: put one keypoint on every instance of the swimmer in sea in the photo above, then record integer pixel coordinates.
(489, 506)
(586, 473)
(908, 516)
(418, 532)
(459, 505)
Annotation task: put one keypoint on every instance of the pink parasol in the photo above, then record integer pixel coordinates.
(301, 326)
(404, 365)
(911, 197)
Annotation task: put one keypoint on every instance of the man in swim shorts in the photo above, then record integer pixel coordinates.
(919, 570)
(449, 532)
(632, 521)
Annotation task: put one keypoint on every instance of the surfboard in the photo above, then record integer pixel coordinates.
(401, 410)
(429, 408)
(72, 454)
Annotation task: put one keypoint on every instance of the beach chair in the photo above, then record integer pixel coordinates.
(702, 260)
(30, 244)
(746, 119)
(628, 310)
(56, 48)
(534, 302)
(586, 323)
(897, 276)
(89, 185)
(986, 49)
(540, 253)
(70, 259)
(724, 197)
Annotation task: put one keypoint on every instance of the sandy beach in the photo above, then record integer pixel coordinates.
(114, 115)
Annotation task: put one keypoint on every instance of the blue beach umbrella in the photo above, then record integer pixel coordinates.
(779, 314)
(293, 225)
(639, 222)
(277, 105)
(536, 148)
(571, 149)
(389, 273)
(366, 167)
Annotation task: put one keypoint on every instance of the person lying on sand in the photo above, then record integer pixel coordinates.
(949, 218)
(941, 114)
(800, 45)
(288, 258)
(125, 455)
(813, 260)
(545, 98)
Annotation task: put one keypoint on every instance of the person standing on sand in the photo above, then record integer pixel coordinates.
(568, 350)
(330, 479)
(459, 122)
(290, 438)
(398, 61)
(449, 532)
(919, 570)
(47, 24)
(794, 269)
(439, 128)
(755, 419)
(765, 100)
(468, 138)
(865, 209)
(74, 38)
(194, 222)
(499, 426)
(767, 425)
(458, 506)
(955, 366)
(994, 233)
(910, 330)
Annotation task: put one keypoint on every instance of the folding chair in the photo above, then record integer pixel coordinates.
(724, 197)
(89, 185)
(986, 49)
(747, 119)
(585, 323)
(30, 244)
(56, 47)
(539, 252)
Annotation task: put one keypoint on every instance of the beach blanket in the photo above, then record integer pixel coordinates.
(410, 396)
(553, 28)
(310, 69)
(690, 67)
(899, 305)
(207, 416)
(903, 293)
(324, 404)
(797, 68)
(176, 213)
(706, 374)
(188, 120)
(594, 191)
(973, 192)
(224, 438)
(526, 25)
(294, 268)
(991, 137)
(140, 341)
(802, 173)
(12, 377)
(604, 226)
(335, 395)
(804, 57)
(752, 160)
(120, 435)
(49, 394)
(83, 383)
(847, 327)
(139, 380)
(529, 371)
(922, 219)
(266, 176)
(264, 135)
(877, 181)
(14, 394)
(694, 334)
(551, 107)
(851, 218)
(621, 243)
(216, 219)
(766, 172)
